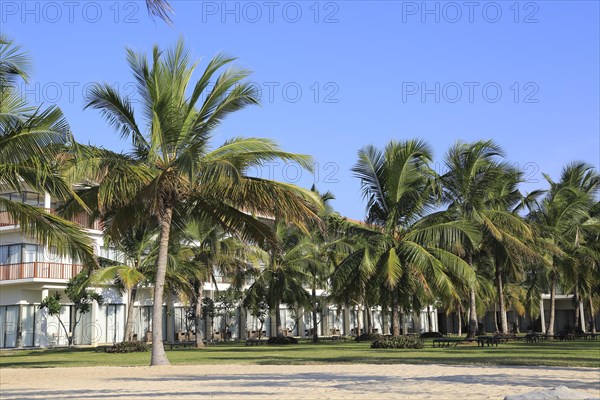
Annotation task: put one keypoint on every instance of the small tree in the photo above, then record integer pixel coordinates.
(227, 303)
(81, 298)
(260, 310)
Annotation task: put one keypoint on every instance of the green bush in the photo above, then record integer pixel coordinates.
(282, 340)
(398, 342)
(128, 347)
(364, 337)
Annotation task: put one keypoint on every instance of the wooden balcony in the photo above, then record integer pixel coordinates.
(41, 270)
(81, 219)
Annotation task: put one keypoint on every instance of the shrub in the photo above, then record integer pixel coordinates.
(398, 342)
(282, 340)
(364, 337)
(429, 335)
(128, 347)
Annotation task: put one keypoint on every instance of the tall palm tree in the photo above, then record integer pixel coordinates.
(328, 246)
(475, 172)
(172, 173)
(32, 142)
(507, 239)
(561, 219)
(399, 187)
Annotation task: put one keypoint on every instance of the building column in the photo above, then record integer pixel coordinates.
(47, 200)
(94, 327)
(19, 327)
(44, 322)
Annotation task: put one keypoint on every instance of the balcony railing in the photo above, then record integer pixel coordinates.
(81, 219)
(42, 270)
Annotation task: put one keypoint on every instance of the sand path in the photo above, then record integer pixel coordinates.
(340, 381)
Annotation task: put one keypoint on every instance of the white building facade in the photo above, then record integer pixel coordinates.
(30, 272)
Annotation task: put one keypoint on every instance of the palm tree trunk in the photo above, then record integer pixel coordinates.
(159, 357)
(128, 335)
(552, 307)
(395, 313)
(472, 329)
(495, 317)
(592, 314)
(278, 321)
(500, 288)
(358, 321)
(314, 313)
(472, 314)
(577, 308)
(198, 342)
(369, 319)
(459, 315)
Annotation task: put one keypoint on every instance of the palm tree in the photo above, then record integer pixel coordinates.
(161, 9)
(206, 249)
(478, 187)
(138, 247)
(171, 172)
(508, 239)
(282, 279)
(561, 220)
(32, 141)
(399, 187)
(328, 246)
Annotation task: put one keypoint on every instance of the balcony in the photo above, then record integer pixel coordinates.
(39, 270)
(82, 220)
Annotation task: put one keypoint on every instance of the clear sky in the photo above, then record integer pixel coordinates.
(338, 75)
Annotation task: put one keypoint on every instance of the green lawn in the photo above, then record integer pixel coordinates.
(574, 354)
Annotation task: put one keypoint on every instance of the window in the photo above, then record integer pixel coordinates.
(20, 252)
(10, 254)
(31, 198)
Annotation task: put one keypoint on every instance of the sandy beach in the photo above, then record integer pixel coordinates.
(340, 381)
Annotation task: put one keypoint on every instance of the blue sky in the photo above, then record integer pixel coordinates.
(338, 75)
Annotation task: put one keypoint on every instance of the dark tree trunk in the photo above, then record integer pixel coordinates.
(128, 334)
(459, 315)
(314, 313)
(278, 321)
(159, 357)
(395, 313)
(369, 320)
(592, 314)
(579, 323)
(473, 325)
